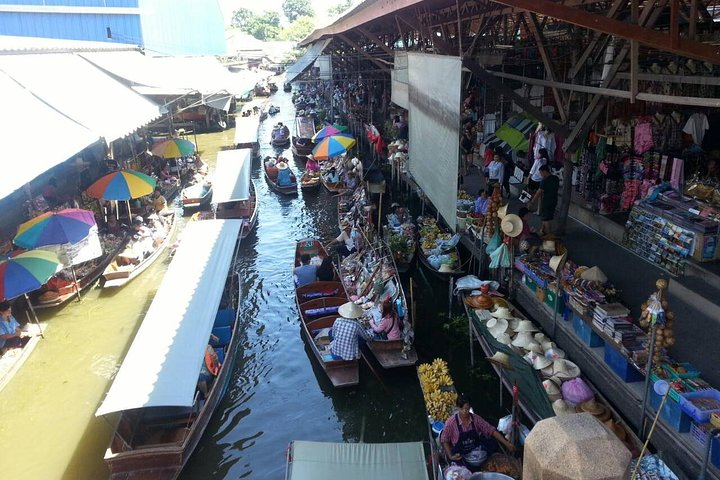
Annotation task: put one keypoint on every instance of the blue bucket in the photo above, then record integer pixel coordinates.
(437, 427)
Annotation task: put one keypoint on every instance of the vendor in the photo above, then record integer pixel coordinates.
(312, 166)
(531, 239)
(465, 432)
(284, 178)
(305, 273)
(481, 202)
(389, 327)
(347, 244)
(345, 332)
(11, 336)
(160, 203)
(50, 193)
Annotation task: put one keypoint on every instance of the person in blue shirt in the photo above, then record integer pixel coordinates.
(481, 203)
(284, 178)
(10, 334)
(305, 273)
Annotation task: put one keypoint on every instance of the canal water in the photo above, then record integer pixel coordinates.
(278, 393)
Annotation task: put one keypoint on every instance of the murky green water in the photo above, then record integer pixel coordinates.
(278, 393)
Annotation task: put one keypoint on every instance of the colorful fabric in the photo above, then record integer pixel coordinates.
(643, 138)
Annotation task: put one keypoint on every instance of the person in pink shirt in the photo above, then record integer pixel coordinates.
(390, 327)
(312, 165)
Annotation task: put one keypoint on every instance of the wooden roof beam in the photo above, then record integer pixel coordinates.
(362, 52)
(376, 40)
(652, 38)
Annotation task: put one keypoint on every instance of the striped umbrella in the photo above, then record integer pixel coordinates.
(55, 228)
(333, 146)
(173, 148)
(122, 185)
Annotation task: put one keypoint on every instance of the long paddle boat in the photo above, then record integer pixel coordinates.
(234, 189)
(318, 303)
(302, 144)
(246, 133)
(430, 233)
(280, 136)
(133, 260)
(375, 279)
(163, 408)
(198, 195)
(271, 176)
(309, 182)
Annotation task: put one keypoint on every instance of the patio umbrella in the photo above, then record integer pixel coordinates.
(324, 132)
(333, 146)
(25, 272)
(342, 128)
(173, 148)
(70, 225)
(122, 185)
(55, 228)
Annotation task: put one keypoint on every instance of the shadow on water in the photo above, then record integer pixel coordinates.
(278, 391)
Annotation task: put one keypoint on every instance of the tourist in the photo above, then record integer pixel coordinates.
(535, 178)
(284, 177)
(481, 202)
(496, 171)
(326, 270)
(305, 273)
(312, 165)
(466, 146)
(547, 194)
(332, 176)
(389, 327)
(347, 244)
(11, 336)
(508, 168)
(465, 432)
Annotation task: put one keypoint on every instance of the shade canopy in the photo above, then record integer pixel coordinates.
(232, 176)
(246, 129)
(122, 185)
(304, 62)
(55, 228)
(162, 366)
(333, 146)
(174, 148)
(356, 461)
(26, 272)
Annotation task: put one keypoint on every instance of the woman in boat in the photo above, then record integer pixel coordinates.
(11, 336)
(389, 327)
(209, 370)
(465, 433)
(284, 178)
(312, 165)
(351, 181)
(326, 271)
(345, 332)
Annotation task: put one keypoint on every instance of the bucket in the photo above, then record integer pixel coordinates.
(489, 476)
(437, 427)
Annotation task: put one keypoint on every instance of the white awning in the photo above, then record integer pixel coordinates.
(246, 129)
(79, 90)
(356, 461)
(163, 363)
(168, 75)
(306, 60)
(231, 179)
(36, 136)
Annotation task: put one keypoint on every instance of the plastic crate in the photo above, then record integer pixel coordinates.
(551, 298)
(699, 433)
(700, 416)
(530, 283)
(620, 365)
(690, 371)
(586, 333)
(672, 393)
(671, 412)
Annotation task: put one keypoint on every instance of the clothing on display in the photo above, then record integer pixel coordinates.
(696, 126)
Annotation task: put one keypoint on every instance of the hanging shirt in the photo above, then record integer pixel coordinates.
(643, 138)
(696, 126)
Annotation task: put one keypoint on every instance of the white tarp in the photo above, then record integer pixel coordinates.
(231, 180)
(26, 151)
(304, 62)
(399, 80)
(80, 252)
(357, 461)
(246, 129)
(163, 363)
(81, 91)
(434, 95)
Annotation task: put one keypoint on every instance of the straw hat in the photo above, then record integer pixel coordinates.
(530, 357)
(565, 369)
(526, 326)
(547, 345)
(554, 353)
(511, 225)
(561, 408)
(540, 362)
(504, 338)
(350, 310)
(500, 302)
(596, 409)
(548, 246)
(483, 302)
(445, 268)
(500, 358)
(552, 390)
(535, 347)
(616, 428)
(502, 211)
(513, 323)
(502, 312)
(594, 274)
(540, 338)
(282, 166)
(522, 339)
(557, 261)
(497, 326)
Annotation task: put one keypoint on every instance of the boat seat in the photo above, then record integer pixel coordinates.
(321, 312)
(224, 318)
(223, 333)
(221, 355)
(326, 293)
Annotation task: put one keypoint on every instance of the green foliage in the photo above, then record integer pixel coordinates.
(265, 26)
(242, 18)
(295, 9)
(340, 7)
(299, 29)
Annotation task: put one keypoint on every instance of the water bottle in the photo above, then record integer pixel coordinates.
(399, 307)
(708, 252)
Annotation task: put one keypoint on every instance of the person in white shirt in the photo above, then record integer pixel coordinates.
(535, 178)
(496, 171)
(346, 241)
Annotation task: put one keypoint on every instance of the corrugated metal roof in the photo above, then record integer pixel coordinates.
(13, 45)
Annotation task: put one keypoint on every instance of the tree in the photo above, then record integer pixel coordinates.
(241, 18)
(299, 29)
(294, 9)
(265, 26)
(340, 7)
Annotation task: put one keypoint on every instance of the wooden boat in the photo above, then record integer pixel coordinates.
(246, 210)
(246, 133)
(318, 298)
(402, 257)
(331, 187)
(54, 298)
(235, 192)
(197, 195)
(436, 272)
(280, 136)
(287, 87)
(302, 144)
(388, 353)
(273, 110)
(10, 364)
(162, 416)
(117, 275)
(309, 183)
(271, 174)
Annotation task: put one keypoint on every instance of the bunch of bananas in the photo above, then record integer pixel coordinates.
(435, 379)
